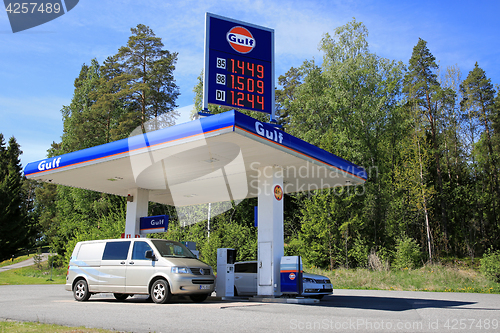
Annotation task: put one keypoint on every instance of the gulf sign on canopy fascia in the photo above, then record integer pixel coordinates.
(290, 144)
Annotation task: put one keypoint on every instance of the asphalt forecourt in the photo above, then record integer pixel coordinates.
(346, 310)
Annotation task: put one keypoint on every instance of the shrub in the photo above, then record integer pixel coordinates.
(376, 262)
(56, 261)
(408, 254)
(359, 252)
(37, 258)
(490, 265)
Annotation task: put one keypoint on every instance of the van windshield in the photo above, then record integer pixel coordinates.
(172, 249)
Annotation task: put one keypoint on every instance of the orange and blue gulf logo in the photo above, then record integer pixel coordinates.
(240, 39)
(278, 192)
(292, 276)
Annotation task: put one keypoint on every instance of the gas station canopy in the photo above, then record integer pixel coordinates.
(213, 159)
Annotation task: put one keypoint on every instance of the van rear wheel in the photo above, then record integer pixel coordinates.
(81, 290)
(160, 292)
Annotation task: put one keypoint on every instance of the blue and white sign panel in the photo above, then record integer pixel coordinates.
(239, 65)
(154, 224)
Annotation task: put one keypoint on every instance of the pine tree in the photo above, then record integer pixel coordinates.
(478, 91)
(478, 102)
(424, 91)
(14, 228)
(80, 130)
(149, 70)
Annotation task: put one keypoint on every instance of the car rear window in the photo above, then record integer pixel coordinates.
(116, 250)
(248, 267)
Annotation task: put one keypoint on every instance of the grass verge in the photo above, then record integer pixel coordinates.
(33, 275)
(21, 327)
(15, 261)
(437, 278)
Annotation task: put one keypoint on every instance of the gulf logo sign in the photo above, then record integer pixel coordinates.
(278, 192)
(240, 39)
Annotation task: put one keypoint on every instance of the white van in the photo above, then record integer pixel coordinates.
(156, 267)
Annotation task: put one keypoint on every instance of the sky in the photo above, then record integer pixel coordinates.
(38, 66)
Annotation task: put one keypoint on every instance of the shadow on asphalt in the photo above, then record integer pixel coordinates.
(351, 302)
(109, 298)
(387, 303)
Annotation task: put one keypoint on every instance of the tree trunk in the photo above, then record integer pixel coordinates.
(426, 213)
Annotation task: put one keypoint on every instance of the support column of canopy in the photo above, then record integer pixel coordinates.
(137, 207)
(270, 230)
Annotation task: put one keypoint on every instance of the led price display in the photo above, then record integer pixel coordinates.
(244, 84)
(239, 66)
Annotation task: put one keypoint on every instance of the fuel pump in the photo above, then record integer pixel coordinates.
(225, 272)
(291, 275)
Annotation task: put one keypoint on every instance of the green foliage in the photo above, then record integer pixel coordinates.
(360, 252)
(34, 275)
(433, 278)
(479, 110)
(24, 327)
(378, 261)
(321, 238)
(231, 235)
(428, 102)
(408, 254)
(17, 224)
(89, 224)
(490, 265)
(37, 258)
(57, 261)
(232, 229)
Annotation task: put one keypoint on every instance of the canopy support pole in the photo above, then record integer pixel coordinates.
(270, 230)
(137, 207)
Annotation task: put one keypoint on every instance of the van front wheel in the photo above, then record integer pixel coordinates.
(81, 290)
(160, 292)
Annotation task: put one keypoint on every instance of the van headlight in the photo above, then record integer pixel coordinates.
(308, 280)
(180, 270)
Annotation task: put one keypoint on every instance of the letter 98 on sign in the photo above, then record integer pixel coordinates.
(239, 65)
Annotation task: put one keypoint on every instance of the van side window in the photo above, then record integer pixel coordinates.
(140, 248)
(116, 250)
(90, 251)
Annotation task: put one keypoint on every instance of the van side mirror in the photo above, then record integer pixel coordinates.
(149, 255)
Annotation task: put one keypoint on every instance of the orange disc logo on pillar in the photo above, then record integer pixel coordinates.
(278, 192)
